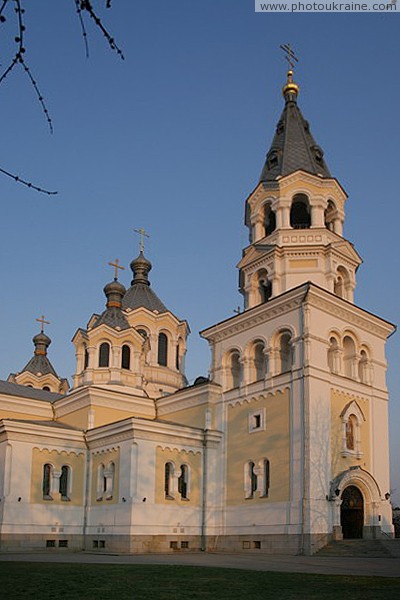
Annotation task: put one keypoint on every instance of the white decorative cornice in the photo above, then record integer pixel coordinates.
(262, 313)
(349, 313)
(251, 398)
(105, 397)
(209, 393)
(26, 406)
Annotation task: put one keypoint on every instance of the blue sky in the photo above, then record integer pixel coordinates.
(173, 139)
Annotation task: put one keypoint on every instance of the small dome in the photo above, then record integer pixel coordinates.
(141, 267)
(114, 287)
(41, 338)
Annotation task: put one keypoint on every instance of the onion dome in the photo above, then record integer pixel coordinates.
(113, 316)
(39, 363)
(140, 294)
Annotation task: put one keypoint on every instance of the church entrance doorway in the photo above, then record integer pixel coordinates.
(352, 513)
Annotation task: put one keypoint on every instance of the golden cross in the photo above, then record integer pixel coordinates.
(116, 266)
(289, 54)
(42, 322)
(142, 234)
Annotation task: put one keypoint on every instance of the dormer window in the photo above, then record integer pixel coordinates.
(272, 159)
(318, 154)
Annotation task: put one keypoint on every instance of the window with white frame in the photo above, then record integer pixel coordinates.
(256, 420)
(352, 419)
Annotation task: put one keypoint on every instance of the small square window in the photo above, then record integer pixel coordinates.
(246, 545)
(63, 543)
(95, 544)
(50, 543)
(257, 420)
(257, 545)
(184, 544)
(102, 543)
(173, 545)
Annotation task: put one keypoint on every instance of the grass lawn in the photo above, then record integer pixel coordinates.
(54, 581)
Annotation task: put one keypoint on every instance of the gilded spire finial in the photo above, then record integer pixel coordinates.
(290, 90)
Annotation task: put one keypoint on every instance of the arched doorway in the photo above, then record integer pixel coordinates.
(352, 513)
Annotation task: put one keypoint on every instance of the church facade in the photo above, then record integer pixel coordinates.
(284, 446)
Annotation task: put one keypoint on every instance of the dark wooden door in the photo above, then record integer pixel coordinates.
(352, 513)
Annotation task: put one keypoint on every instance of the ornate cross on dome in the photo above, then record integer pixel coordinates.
(289, 55)
(116, 266)
(142, 234)
(42, 322)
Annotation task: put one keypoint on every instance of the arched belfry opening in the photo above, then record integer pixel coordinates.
(269, 220)
(352, 513)
(300, 212)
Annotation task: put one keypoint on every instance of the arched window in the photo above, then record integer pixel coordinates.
(352, 418)
(126, 357)
(250, 483)
(177, 364)
(264, 286)
(85, 357)
(349, 355)
(168, 474)
(342, 283)
(104, 354)
(162, 350)
(266, 473)
(101, 481)
(300, 213)
(269, 220)
(333, 355)
(259, 361)
(363, 368)
(46, 484)
(46, 388)
(110, 480)
(183, 481)
(285, 353)
(64, 482)
(351, 425)
(330, 214)
(235, 369)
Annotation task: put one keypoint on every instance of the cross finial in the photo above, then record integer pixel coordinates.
(116, 266)
(42, 322)
(142, 234)
(290, 56)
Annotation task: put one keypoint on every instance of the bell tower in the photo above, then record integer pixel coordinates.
(295, 217)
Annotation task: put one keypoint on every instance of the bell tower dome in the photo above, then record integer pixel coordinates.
(295, 217)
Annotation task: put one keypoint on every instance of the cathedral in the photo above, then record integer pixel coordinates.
(283, 448)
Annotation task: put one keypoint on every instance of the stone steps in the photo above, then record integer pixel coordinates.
(382, 548)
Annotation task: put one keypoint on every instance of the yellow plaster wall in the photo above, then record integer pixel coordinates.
(178, 457)
(57, 458)
(104, 415)
(76, 418)
(271, 443)
(105, 457)
(14, 414)
(194, 416)
(339, 401)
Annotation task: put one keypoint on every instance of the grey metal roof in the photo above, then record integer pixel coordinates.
(39, 363)
(14, 389)
(141, 295)
(293, 147)
(112, 317)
